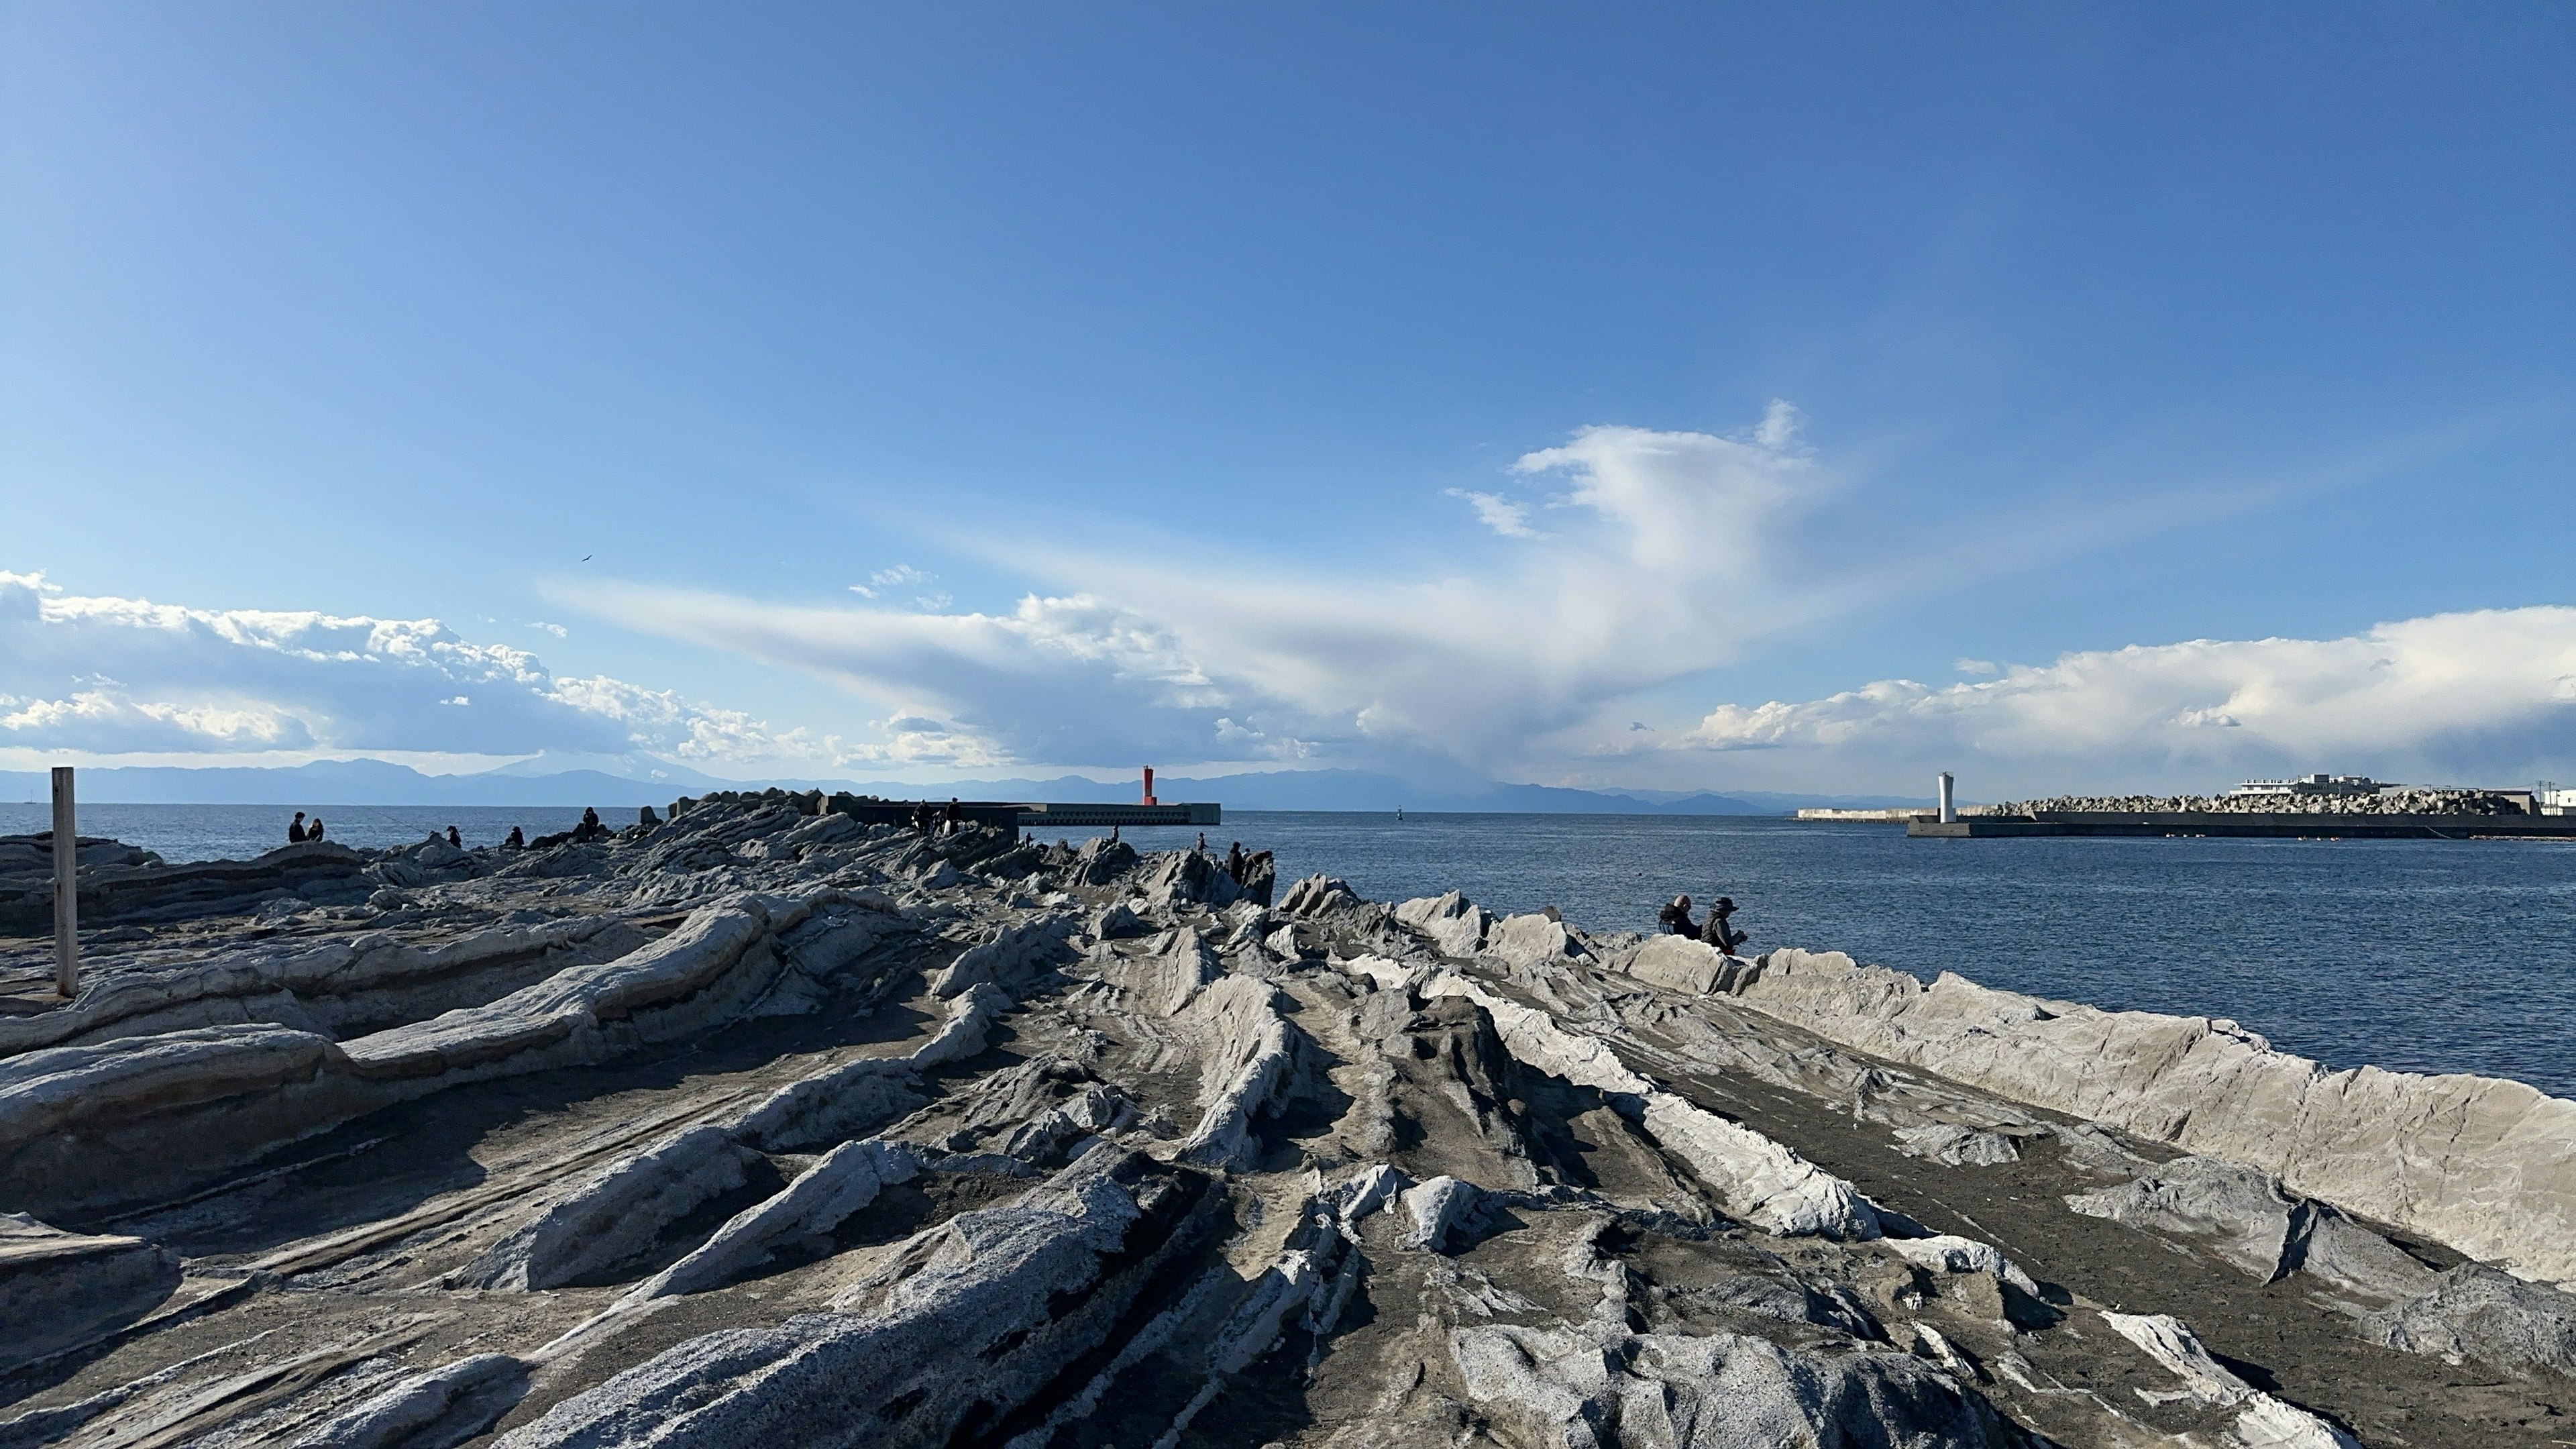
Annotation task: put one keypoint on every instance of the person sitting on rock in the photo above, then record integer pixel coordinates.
(1718, 933)
(1675, 918)
(295, 829)
(589, 818)
(455, 839)
(313, 828)
(514, 840)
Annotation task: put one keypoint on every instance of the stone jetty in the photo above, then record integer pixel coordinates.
(762, 1126)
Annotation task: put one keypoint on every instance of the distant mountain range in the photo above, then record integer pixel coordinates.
(376, 782)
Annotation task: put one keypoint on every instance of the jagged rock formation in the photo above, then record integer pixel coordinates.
(760, 1126)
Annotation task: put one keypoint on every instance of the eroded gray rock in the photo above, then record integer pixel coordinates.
(1953, 1145)
(618, 1213)
(2241, 1214)
(2477, 1312)
(59, 1290)
(1004, 1300)
(444, 1406)
(2486, 1165)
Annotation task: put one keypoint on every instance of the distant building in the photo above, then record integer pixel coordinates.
(2313, 785)
(2555, 799)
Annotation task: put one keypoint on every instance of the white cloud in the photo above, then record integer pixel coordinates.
(2481, 697)
(1779, 425)
(114, 676)
(893, 578)
(1498, 513)
(1658, 569)
(1667, 554)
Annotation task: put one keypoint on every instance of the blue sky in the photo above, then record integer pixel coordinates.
(1800, 353)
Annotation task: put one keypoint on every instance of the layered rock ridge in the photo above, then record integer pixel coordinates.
(760, 1126)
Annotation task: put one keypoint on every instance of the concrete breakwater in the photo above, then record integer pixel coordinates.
(2250, 825)
(2397, 800)
(764, 1125)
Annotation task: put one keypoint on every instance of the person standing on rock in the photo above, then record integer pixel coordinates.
(1675, 918)
(295, 829)
(1719, 933)
(1234, 861)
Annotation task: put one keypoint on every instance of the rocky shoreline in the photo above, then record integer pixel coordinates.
(763, 1126)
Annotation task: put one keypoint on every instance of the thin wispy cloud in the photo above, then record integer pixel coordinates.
(1498, 513)
(1669, 554)
(896, 577)
(1661, 543)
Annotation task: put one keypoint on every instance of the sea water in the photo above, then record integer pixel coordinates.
(2416, 955)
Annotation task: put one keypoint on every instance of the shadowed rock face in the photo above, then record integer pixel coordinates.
(761, 1126)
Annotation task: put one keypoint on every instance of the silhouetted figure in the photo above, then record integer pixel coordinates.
(455, 839)
(921, 817)
(313, 828)
(1718, 932)
(1234, 861)
(1202, 846)
(954, 813)
(589, 818)
(514, 840)
(295, 829)
(1675, 918)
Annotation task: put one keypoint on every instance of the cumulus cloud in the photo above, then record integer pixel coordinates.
(104, 675)
(2480, 696)
(1661, 548)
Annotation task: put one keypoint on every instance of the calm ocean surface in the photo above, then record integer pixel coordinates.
(2415, 955)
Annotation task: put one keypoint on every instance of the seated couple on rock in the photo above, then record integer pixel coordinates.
(298, 832)
(1676, 921)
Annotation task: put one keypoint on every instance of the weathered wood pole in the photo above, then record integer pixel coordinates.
(66, 886)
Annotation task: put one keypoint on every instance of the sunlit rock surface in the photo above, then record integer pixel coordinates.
(761, 1127)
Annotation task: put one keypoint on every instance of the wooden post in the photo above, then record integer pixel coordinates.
(66, 886)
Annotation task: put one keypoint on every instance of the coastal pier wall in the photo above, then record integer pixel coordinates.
(2247, 825)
